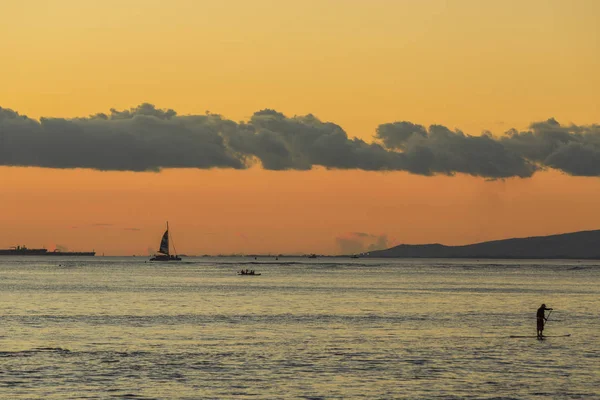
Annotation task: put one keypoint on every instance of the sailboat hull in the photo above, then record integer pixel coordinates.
(161, 257)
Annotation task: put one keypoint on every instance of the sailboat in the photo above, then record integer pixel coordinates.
(163, 253)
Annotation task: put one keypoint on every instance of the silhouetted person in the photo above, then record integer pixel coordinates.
(541, 320)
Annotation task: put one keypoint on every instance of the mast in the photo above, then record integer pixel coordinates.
(171, 241)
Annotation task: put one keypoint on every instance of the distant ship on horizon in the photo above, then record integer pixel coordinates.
(24, 251)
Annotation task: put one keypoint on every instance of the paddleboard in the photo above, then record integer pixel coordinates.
(543, 337)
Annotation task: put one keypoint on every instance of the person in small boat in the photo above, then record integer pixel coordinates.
(541, 320)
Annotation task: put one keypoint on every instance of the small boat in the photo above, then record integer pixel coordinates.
(312, 256)
(163, 253)
(248, 273)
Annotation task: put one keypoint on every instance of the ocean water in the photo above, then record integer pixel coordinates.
(327, 328)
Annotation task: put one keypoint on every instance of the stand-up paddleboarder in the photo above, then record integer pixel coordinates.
(541, 320)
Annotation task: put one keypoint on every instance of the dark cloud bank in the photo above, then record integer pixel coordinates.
(147, 139)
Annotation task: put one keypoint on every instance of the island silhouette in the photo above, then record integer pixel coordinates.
(575, 245)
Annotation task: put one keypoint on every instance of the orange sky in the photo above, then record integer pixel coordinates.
(225, 211)
(466, 64)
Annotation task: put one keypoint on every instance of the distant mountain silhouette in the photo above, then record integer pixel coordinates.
(581, 245)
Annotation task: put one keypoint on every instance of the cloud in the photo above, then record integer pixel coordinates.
(380, 243)
(360, 242)
(140, 139)
(572, 149)
(440, 150)
(95, 225)
(146, 138)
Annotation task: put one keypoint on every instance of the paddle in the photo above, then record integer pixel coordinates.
(548, 317)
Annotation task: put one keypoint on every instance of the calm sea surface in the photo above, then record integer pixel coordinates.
(327, 328)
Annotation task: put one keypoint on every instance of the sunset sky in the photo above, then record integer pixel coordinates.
(385, 123)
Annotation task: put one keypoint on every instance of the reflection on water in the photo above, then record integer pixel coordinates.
(306, 328)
